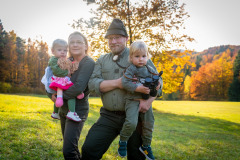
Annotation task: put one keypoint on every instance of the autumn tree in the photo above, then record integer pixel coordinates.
(186, 88)
(21, 65)
(37, 58)
(3, 39)
(157, 22)
(234, 89)
(212, 80)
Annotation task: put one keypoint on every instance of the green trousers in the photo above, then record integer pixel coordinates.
(71, 105)
(103, 133)
(131, 121)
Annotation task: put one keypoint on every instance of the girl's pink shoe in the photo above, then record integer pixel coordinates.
(59, 102)
(80, 96)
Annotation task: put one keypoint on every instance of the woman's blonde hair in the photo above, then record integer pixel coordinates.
(59, 42)
(84, 38)
(138, 46)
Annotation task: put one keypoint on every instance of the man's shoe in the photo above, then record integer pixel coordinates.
(147, 151)
(122, 149)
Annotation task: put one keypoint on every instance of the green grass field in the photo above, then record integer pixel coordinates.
(183, 129)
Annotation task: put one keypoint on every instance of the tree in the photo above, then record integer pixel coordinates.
(21, 66)
(234, 89)
(157, 22)
(212, 80)
(186, 88)
(3, 39)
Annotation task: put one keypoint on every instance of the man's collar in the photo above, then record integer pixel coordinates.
(118, 56)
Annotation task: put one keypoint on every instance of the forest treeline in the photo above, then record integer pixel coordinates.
(22, 63)
(215, 76)
(212, 75)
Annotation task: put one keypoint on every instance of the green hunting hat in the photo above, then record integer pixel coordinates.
(116, 27)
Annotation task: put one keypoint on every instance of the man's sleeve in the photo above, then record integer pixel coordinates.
(96, 77)
(150, 63)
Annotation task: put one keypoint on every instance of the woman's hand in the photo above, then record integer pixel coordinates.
(54, 97)
(69, 73)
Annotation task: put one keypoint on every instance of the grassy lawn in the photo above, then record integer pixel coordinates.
(183, 129)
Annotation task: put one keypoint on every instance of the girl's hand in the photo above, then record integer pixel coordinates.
(142, 89)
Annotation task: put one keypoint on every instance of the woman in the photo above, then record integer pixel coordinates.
(78, 51)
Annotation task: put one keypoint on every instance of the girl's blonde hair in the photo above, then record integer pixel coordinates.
(84, 38)
(138, 46)
(59, 42)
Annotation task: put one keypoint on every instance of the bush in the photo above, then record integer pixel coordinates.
(8, 88)
(5, 87)
(28, 90)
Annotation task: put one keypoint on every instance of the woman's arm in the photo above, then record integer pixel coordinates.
(80, 84)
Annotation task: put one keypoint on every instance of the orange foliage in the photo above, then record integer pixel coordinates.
(212, 80)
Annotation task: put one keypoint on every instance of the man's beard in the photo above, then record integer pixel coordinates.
(116, 49)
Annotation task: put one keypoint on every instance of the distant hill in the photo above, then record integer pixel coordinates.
(218, 50)
(208, 55)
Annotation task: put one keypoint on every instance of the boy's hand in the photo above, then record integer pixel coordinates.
(142, 89)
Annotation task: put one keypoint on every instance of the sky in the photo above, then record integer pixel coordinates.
(211, 23)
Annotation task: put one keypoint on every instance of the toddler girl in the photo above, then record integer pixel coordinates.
(61, 68)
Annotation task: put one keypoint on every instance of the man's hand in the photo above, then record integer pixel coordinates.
(158, 87)
(108, 85)
(144, 105)
(119, 81)
(142, 89)
(54, 97)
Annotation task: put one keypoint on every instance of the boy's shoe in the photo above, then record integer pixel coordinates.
(147, 151)
(80, 96)
(73, 116)
(122, 149)
(55, 115)
(59, 102)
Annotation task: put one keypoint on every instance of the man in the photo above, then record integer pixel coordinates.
(106, 81)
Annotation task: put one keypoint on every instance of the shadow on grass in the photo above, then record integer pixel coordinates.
(192, 137)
